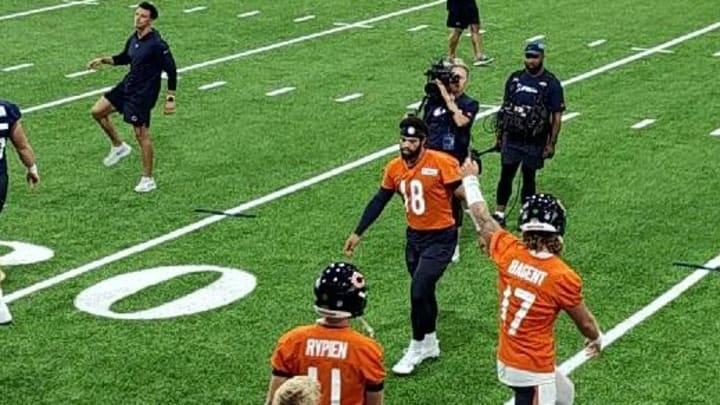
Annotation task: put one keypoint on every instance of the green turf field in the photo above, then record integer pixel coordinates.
(637, 199)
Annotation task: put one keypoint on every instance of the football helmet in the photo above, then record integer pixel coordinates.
(340, 291)
(542, 213)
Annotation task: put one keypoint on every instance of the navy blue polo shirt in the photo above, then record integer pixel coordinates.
(148, 57)
(444, 134)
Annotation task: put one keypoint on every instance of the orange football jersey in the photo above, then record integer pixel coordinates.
(342, 360)
(532, 291)
(424, 188)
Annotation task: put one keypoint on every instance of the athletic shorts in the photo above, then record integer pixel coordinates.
(462, 13)
(135, 110)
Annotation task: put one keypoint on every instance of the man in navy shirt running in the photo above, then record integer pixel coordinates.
(11, 129)
(135, 96)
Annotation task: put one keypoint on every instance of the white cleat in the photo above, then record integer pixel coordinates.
(415, 354)
(146, 185)
(117, 153)
(456, 255)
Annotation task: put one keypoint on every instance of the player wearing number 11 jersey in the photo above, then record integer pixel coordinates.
(347, 364)
(534, 285)
(426, 180)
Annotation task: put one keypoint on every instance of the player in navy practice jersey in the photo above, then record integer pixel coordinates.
(135, 96)
(11, 130)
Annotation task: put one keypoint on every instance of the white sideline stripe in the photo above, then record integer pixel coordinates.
(640, 55)
(599, 42)
(279, 91)
(418, 28)
(637, 48)
(304, 18)
(644, 123)
(80, 73)
(49, 8)
(291, 189)
(342, 24)
(18, 67)
(198, 225)
(715, 132)
(249, 14)
(619, 330)
(535, 38)
(247, 53)
(194, 9)
(211, 85)
(349, 97)
(569, 116)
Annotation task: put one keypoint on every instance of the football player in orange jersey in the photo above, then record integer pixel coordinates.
(347, 364)
(534, 284)
(426, 180)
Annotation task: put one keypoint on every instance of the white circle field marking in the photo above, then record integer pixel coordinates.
(232, 285)
(24, 253)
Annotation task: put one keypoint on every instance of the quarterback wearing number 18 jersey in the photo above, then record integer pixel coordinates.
(426, 180)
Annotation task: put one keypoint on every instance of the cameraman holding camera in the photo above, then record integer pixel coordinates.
(449, 114)
(528, 125)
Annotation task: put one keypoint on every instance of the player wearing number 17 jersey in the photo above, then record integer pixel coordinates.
(426, 180)
(534, 285)
(347, 364)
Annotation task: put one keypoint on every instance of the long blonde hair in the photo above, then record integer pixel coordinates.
(299, 390)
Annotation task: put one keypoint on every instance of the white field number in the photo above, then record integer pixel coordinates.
(232, 285)
(335, 383)
(416, 200)
(527, 299)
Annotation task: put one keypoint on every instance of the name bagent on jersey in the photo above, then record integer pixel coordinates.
(526, 272)
(333, 349)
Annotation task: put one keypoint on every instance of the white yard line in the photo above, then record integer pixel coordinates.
(80, 73)
(18, 67)
(535, 38)
(637, 48)
(279, 91)
(644, 123)
(342, 24)
(211, 85)
(345, 99)
(194, 9)
(569, 116)
(418, 28)
(715, 132)
(716, 54)
(249, 14)
(49, 8)
(304, 18)
(599, 42)
(244, 54)
(139, 248)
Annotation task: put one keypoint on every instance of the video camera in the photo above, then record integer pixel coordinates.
(440, 70)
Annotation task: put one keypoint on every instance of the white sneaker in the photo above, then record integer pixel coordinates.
(431, 347)
(410, 359)
(117, 153)
(146, 185)
(456, 255)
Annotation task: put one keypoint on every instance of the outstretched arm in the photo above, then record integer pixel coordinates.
(372, 211)
(485, 225)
